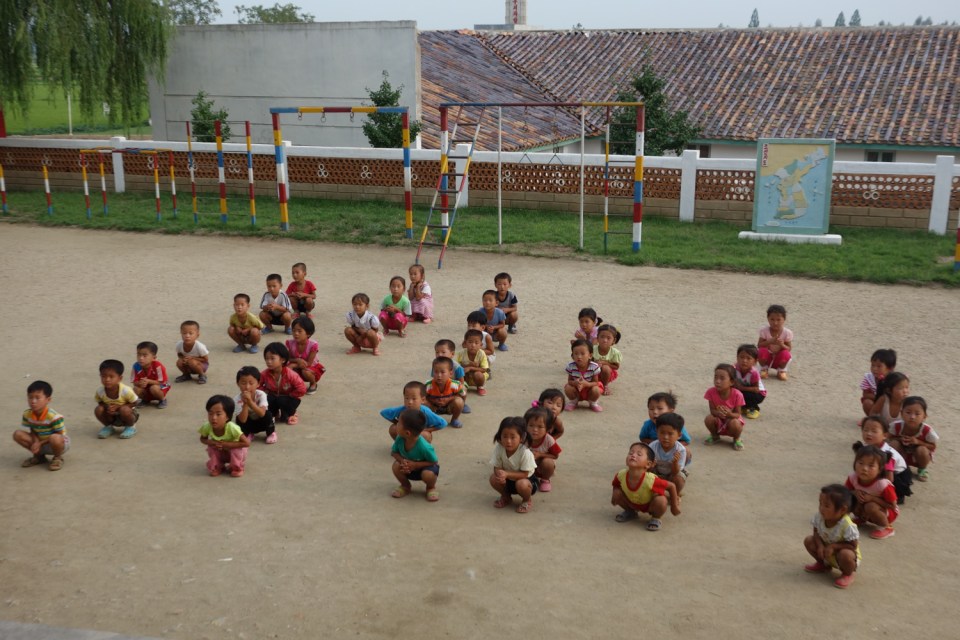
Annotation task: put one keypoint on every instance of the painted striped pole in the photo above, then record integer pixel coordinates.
(3, 191)
(606, 182)
(638, 182)
(86, 185)
(253, 198)
(956, 255)
(103, 182)
(46, 190)
(407, 177)
(221, 174)
(444, 153)
(156, 183)
(281, 173)
(173, 182)
(193, 177)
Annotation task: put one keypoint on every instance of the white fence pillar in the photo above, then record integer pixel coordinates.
(940, 203)
(462, 182)
(688, 183)
(119, 180)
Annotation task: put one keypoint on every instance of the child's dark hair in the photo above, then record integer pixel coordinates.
(447, 344)
(729, 368)
(190, 323)
(413, 420)
(361, 297)
(840, 497)
(885, 387)
(612, 330)
(403, 281)
(300, 266)
(306, 324)
(879, 420)
(671, 419)
(489, 292)
(665, 397)
(242, 296)
(444, 360)
(549, 394)
(869, 451)
(886, 357)
(503, 275)
(41, 386)
(112, 365)
(473, 333)
(517, 424)
(416, 267)
(538, 412)
(749, 349)
(779, 309)
(151, 346)
(224, 401)
(911, 400)
(477, 317)
(253, 372)
(643, 445)
(275, 277)
(419, 386)
(588, 312)
(278, 349)
(580, 342)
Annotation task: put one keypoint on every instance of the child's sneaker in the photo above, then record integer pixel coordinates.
(512, 328)
(570, 406)
(843, 581)
(272, 438)
(782, 375)
(56, 464)
(183, 378)
(267, 329)
(753, 414)
(595, 406)
(129, 432)
(162, 404)
(546, 486)
(503, 346)
(289, 332)
(236, 473)
(880, 534)
(481, 391)
(466, 408)
(105, 432)
(456, 424)
(202, 379)
(816, 567)
(239, 348)
(254, 349)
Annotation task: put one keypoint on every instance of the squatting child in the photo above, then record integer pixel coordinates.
(514, 466)
(283, 386)
(225, 442)
(149, 376)
(477, 320)
(544, 446)
(414, 458)
(193, 357)
(476, 367)
(553, 401)
(495, 319)
(444, 394)
(775, 343)
(874, 432)
(876, 499)
(395, 308)
(245, 328)
(588, 329)
(116, 402)
(43, 433)
(748, 381)
(420, 295)
(303, 353)
(414, 396)
(882, 363)
(506, 300)
(275, 305)
(725, 403)
(913, 437)
(252, 408)
(583, 377)
(363, 327)
(607, 355)
(636, 489)
(670, 456)
(835, 542)
(302, 292)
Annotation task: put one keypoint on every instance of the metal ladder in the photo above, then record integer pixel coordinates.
(608, 188)
(448, 173)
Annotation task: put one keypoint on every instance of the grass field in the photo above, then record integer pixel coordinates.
(869, 255)
(48, 115)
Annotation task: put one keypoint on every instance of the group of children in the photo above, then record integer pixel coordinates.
(894, 436)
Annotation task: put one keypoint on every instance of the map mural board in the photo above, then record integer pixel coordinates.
(792, 187)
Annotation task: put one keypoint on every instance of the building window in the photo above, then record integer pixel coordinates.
(704, 149)
(881, 156)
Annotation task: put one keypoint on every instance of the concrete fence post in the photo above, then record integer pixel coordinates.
(688, 183)
(463, 182)
(940, 204)
(119, 180)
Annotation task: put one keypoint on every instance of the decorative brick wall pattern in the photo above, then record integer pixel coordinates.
(891, 192)
(726, 185)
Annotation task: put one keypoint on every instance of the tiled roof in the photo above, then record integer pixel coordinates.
(885, 85)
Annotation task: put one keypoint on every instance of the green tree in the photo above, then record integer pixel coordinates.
(754, 20)
(190, 12)
(386, 129)
(841, 21)
(818, 23)
(855, 18)
(94, 50)
(277, 14)
(665, 129)
(203, 117)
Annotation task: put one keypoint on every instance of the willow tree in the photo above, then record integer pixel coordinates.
(99, 51)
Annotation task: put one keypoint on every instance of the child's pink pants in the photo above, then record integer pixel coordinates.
(393, 321)
(217, 458)
(775, 361)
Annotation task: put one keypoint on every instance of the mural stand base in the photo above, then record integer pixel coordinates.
(795, 238)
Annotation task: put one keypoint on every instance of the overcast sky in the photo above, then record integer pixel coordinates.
(604, 14)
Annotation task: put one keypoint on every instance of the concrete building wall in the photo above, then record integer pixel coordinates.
(249, 68)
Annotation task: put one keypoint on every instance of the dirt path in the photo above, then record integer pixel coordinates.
(133, 537)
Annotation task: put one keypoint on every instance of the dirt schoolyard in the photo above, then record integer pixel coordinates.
(135, 537)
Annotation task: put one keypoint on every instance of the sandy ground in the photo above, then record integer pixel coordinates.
(134, 537)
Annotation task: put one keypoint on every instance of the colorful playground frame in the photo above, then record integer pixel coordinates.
(282, 184)
(156, 153)
(221, 171)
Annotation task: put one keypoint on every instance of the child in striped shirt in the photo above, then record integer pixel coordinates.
(44, 432)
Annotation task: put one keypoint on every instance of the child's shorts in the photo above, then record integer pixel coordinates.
(585, 393)
(276, 318)
(415, 475)
(47, 450)
(118, 420)
(722, 430)
(511, 487)
(614, 374)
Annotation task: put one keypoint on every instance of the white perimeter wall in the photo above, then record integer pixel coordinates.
(249, 68)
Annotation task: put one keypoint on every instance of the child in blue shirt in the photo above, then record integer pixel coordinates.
(413, 394)
(658, 404)
(670, 456)
(413, 457)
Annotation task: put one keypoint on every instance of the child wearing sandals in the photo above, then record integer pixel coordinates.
(553, 401)
(876, 499)
(476, 367)
(116, 402)
(748, 381)
(193, 357)
(874, 432)
(283, 386)
(607, 355)
(363, 328)
(414, 395)
(149, 376)
(303, 353)
(252, 408)
(506, 300)
(583, 377)
(226, 444)
(636, 489)
(514, 466)
(775, 343)
(420, 295)
(245, 327)
(882, 364)
(670, 457)
(725, 403)
(413, 457)
(43, 431)
(544, 446)
(913, 438)
(444, 394)
(395, 309)
(835, 542)
(301, 292)
(477, 320)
